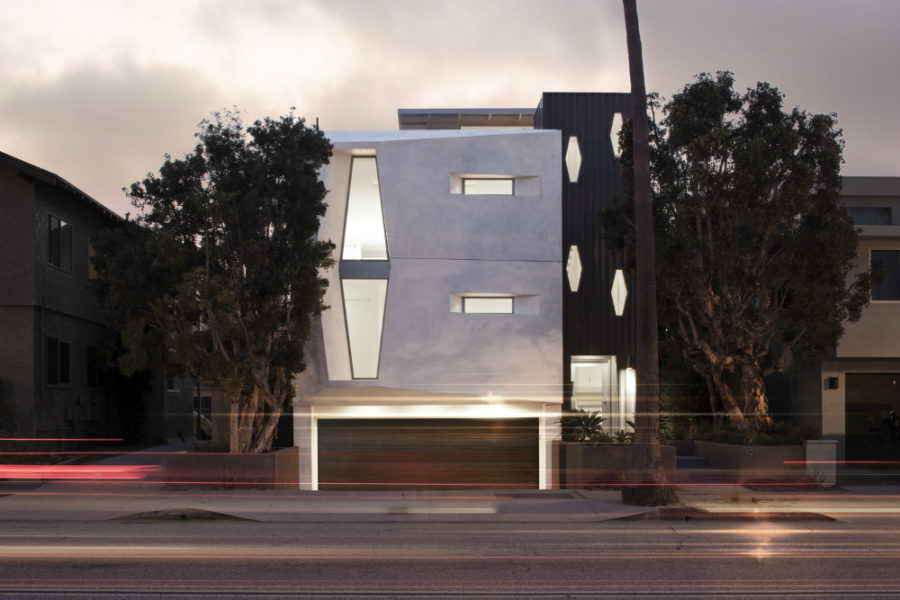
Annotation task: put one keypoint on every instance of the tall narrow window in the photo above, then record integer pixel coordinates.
(60, 244)
(364, 237)
(58, 357)
(887, 264)
(364, 306)
(92, 272)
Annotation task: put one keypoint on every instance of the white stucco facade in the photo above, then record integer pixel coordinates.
(434, 359)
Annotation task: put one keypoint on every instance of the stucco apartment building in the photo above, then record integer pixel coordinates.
(52, 330)
(848, 395)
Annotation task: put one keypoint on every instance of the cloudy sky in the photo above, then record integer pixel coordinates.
(98, 91)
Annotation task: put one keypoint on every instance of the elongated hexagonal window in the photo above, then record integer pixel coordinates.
(573, 268)
(364, 237)
(619, 293)
(614, 133)
(573, 159)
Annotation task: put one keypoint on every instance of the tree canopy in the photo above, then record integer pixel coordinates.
(753, 245)
(219, 275)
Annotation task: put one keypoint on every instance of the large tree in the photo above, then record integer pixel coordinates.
(754, 247)
(646, 483)
(219, 275)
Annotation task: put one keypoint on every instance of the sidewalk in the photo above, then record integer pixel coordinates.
(148, 499)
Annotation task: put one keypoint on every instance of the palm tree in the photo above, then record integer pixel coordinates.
(645, 483)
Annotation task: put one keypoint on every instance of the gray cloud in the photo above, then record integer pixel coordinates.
(101, 129)
(103, 125)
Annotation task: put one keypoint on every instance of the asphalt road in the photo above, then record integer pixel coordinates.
(230, 558)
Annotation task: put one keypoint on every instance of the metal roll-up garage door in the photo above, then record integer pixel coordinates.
(427, 453)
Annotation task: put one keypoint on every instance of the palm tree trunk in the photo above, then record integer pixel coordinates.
(645, 482)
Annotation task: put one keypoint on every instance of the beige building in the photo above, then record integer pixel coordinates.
(849, 395)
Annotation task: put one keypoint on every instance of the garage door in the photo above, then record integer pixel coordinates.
(869, 398)
(427, 453)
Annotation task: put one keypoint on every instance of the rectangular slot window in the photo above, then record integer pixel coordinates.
(60, 244)
(887, 264)
(488, 304)
(58, 356)
(477, 186)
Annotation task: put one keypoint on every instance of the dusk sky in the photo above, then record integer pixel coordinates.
(97, 91)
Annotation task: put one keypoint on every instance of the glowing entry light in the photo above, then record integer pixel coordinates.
(619, 293)
(77, 472)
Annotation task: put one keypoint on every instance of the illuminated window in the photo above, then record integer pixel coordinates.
(364, 237)
(488, 304)
(573, 159)
(482, 186)
(364, 307)
(614, 130)
(573, 268)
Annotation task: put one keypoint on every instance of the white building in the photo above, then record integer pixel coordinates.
(442, 344)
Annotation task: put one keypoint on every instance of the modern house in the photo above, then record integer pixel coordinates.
(452, 342)
(51, 328)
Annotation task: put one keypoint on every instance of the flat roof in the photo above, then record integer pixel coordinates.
(458, 118)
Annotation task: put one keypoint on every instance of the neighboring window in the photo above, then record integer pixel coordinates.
(472, 186)
(58, 356)
(364, 237)
(94, 372)
(60, 244)
(488, 304)
(870, 215)
(92, 272)
(887, 264)
(171, 383)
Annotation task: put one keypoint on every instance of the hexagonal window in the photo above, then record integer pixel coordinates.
(573, 159)
(614, 133)
(619, 293)
(573, 268)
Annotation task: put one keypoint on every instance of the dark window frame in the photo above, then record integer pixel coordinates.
(59, 243)
(59, 362)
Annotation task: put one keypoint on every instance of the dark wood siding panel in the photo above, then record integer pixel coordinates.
(590, 326)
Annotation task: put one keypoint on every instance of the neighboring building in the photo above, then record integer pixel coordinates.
(51, 328)
(451, 344)
(847, 397)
